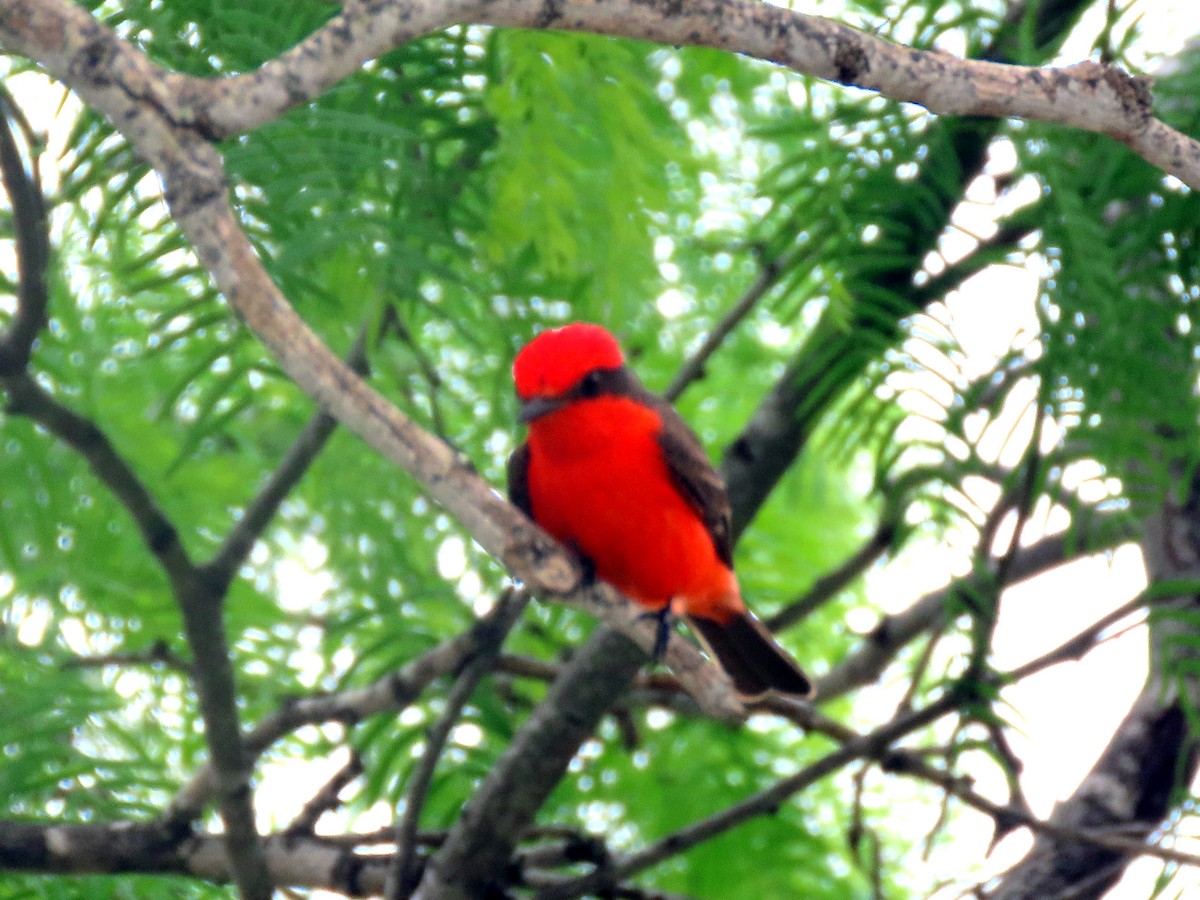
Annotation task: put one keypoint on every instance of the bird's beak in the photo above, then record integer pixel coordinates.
(536, 407)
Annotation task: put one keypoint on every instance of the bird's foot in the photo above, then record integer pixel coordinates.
(587, 568)
(588, 575)
(662, 634)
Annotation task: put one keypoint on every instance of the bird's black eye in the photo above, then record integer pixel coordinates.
(591, 384)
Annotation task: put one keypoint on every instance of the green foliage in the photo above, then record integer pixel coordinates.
(580, 171)
(445, 203)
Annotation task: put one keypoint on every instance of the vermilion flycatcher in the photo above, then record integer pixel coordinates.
(612, 471)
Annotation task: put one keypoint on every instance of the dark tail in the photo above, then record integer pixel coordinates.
(751, 658)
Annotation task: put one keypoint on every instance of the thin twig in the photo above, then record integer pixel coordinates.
(1079, 645)
(327, 798)
(660, 689)
(391, 319)
(894, 632)
(1021, 225)
(238, 543)
(943, 815)
(28, 398)
(392, 692)
(919, 670)
(1012, 767)
(765, 801)
(907, 764)
(762, 803)
(768, 275)
(157, 654)
(829, 586)
(984, 624)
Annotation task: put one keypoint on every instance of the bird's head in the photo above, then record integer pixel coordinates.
(558, 366)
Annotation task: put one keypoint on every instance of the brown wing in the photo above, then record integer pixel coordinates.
(696, 478)
(518, 480)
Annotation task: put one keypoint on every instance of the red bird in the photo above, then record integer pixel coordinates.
(612, 471)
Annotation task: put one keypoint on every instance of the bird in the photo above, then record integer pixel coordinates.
(612, 471)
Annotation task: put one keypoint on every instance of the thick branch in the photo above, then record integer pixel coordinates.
(1127, 793)
(216, 689)
(298, 861)
(1087, 95)
(301, 861)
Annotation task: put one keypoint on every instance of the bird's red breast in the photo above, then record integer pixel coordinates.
(598, 481)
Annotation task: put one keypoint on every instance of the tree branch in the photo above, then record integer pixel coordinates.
(404, 873)
(299, 861)
(221, 569)
(1007, 238)
(216, 689)
(158, 113)
(157, 654)
(32, 229)
(830, 585)
(481, 842)
(1128, 791)
(894, 632)
(327, 798)
(835, 355)
(304, 861)
(693, 369)
(391, 693)
(27, 398)
(198, 601)
(1087, 95)
(1154, 751)
(170, 119)
(1009, 817)
(764, 802)
(201, 608)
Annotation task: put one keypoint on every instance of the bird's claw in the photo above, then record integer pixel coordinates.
(662, 633)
